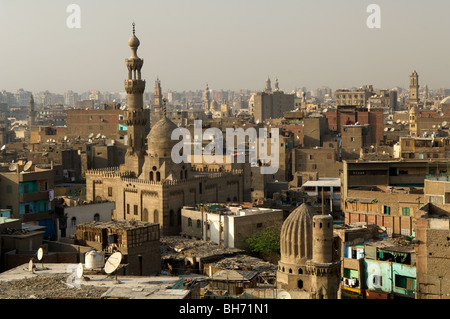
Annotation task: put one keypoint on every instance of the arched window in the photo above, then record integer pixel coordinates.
(158, 176)
(145, 215)
(300, 271)
(97, 217)
(300, 284)
(151, 176)
(73, 221)
(181, 175)
(156, 217)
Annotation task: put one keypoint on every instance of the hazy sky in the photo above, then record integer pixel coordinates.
(229, 44)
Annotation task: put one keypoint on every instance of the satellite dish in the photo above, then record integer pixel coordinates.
(40, 253)
(113, 263)
(386, 129)
(284, 295)
(27, 166)
(98, 135)
(12, 167)
(80, 270)
(91, 135)
(3, 147)
(398, 121)
(65, 138)
(444, 124)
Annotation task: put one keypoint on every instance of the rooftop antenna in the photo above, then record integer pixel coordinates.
(112, 264)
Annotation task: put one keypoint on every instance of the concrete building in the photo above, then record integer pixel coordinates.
(71, 216)
(137, 241)
(359, 97)
(271, 104)
(323, 160)
(29, 195)
(227, 226)
(331, 188)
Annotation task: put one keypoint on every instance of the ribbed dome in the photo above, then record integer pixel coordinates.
(296, 235)
(159, 139)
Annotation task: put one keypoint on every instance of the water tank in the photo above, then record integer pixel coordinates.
(94, 259)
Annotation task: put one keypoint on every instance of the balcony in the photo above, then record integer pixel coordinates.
(32, 197)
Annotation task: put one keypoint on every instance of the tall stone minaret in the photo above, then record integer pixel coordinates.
(207, 99)
(323, 269)
(268, 85)
(414, 89)
(31, 114)
(158, 94)
(136, 118)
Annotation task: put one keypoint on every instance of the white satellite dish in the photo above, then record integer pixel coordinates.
(65, 138)
(98, 135)
(12, 167)
(444, 124)
(27, 166)
(392, 129)
(3, 147)
(91, 135)
(113, 263)
(386, 129)
(398, 121)
(434, 126)
(80, 270)
(284, 295)
(40, 253)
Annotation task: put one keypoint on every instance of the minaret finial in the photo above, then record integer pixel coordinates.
(165, 107)
(134, 29)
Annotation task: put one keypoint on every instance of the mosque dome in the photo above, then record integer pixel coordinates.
(296, 235)
(159, 139)
(134, 42)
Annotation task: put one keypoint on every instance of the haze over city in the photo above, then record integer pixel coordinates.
(227, 44)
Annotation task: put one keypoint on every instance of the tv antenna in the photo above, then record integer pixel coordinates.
(112, 264)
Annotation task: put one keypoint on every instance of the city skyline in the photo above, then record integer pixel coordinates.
(229, 45)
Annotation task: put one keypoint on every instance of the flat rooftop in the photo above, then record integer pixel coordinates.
(116, 224)
(53, 281)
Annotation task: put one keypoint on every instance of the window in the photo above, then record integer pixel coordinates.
(96, 217)
(377, 280)
(189, 222)
(73, 221)
(386, 210)
(110, 193)
(135, 208)
(405, 211)
(128, 209)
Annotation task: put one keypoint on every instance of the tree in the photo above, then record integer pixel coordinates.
(265, 241)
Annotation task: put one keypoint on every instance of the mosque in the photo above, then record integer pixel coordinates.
(149, 186)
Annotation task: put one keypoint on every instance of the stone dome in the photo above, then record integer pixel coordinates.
(159, 139)
(134, 42)
(296, 235)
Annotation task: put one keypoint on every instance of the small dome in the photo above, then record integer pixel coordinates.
(134, 42)
(296, 235)
(159, 139)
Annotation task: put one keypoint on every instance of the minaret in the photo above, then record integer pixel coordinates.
(268, 85)
(277, 88)
(414, 89)
(207, 99)
(31, 114)
(158, 94)
(323, 269)
(135, 116)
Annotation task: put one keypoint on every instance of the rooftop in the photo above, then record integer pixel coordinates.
(53, 282)
(116, 224)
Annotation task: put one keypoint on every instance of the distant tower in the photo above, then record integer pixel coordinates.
(414, 89)
(268, 85)
(31, 114)
(277, 88)
(303, 103)
(425, 93)
(322, 268)
(207, 99)
(136, 118)
(158, 94)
